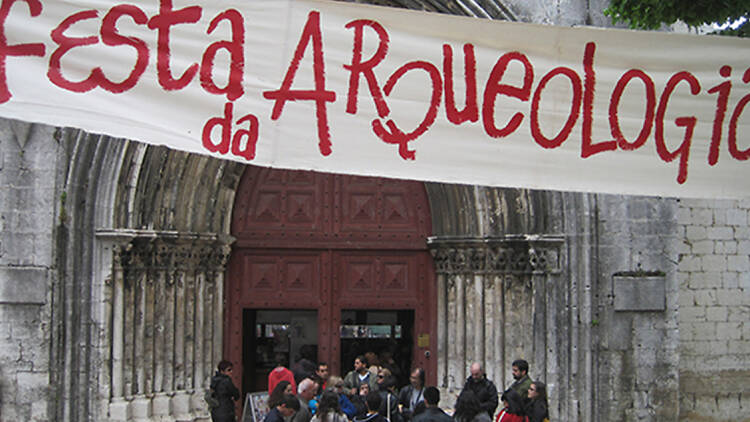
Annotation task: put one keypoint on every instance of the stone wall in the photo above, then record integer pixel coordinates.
(714, 297)
(637, 316)
(28, 155)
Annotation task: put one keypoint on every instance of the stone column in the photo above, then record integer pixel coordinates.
(166, 316)
(499, 297)
(110, 278)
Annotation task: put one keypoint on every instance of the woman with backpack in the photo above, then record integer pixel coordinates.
(224, 393)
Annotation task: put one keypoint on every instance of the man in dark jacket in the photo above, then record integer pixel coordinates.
(225, 392)
(483, 388)
(413, 394)
(288, 406)
(522, 381)
(373, 401)
(432, 413)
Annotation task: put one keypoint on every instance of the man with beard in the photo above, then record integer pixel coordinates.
(522, 380)
(482, 388)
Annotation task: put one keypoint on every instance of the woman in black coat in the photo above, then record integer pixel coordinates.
(536, 410)
(225, 392)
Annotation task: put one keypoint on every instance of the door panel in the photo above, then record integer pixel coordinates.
(326, 242)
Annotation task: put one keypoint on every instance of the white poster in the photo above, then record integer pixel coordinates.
(366, 90)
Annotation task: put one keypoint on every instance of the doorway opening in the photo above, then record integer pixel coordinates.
(388, 334)
(271, 334)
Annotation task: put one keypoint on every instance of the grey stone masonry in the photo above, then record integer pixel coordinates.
(28, 203)
(714, 310)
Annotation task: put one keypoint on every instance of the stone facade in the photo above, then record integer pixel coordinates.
(29, 195)
(112, 265)
(714, 309)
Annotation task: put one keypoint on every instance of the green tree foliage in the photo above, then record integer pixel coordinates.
(651, 14)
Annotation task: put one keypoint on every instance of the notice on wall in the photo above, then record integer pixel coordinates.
(365, 90)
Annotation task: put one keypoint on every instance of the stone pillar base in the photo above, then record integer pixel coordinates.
(181, 406)
(119, 410)
(141, 409)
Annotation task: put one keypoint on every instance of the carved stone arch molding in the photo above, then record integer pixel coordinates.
(141, 250)
(516, 280)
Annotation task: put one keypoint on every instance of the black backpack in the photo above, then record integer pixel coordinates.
(210, 398)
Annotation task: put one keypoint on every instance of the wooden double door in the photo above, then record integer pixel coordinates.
(348, 248)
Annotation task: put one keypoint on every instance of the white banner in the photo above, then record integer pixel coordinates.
(380, 91)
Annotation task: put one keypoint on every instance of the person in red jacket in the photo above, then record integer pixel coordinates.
(280, 373)
(513, 410)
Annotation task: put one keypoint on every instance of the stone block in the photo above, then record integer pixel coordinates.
(720, 217)
(620, 334)
(714, 263)
(739, 347)
(726, 247)
(686, 298)
(119, 410)
(738, 263)
(717, 313)
(683, 215)
(730, 280)
(705, 280)
(23, 285)
(738, 313)
(743, 281)
(639, 293)
(705, 330)
(32, 386)
(703, 247)
(695, 203)
(694, 233)
(730, 297)
(737, 217)
(705, 297)
(689, 263)
(702, 216)
(692, 313)
(161, 405)
(728, 330)
(743, 247)
(140, 409)
(39, 411)
(742, 233)
(720, 233)
(181, 405)
(725, 203)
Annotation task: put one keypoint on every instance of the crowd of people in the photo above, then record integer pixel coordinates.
(370, 394)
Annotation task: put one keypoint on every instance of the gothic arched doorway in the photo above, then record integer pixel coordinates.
(319, 256)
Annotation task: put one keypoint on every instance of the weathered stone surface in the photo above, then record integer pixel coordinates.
(689, 361)
(23, 285)
(639, 293)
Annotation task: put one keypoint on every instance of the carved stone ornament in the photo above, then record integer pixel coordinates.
(497, 255)
(169, 253)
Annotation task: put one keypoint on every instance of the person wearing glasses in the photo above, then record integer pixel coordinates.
(225, 392)
(389, 407)
(538, 410)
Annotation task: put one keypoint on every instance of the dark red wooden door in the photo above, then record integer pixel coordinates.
(328, 242)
